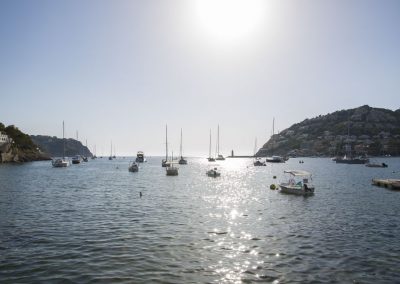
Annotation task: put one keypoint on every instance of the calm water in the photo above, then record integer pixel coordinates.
(87, 223)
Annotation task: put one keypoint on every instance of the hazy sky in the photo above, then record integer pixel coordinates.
(121, 70)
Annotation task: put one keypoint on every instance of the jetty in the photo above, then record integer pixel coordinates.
(387, 183)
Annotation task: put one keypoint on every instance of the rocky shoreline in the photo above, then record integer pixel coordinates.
(11, 154)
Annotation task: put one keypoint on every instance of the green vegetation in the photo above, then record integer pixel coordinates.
(20, 139)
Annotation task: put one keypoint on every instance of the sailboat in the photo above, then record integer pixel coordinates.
(171, 170)
(274, 158)
(219, 157)
(257, 162)
(210, 159)
(85, 158)
(348, 158)
(164, 162)
(61, 163)
(111, 156)
(182, 161)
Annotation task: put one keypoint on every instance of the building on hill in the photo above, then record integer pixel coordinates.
(4, 138)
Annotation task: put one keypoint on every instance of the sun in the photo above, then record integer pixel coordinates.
(230, 20)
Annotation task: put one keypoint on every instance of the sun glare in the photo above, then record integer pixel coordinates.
(229, 20)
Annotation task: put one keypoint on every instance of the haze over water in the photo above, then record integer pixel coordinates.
(87, 223)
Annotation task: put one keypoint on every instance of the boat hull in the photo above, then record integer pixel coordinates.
(172, 172)
(296, 190)
(182, 162)
(352, 161)
(60, 164)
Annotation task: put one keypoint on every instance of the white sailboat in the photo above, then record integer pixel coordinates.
(164, 162)
(274, 158)
(61, 163)
(210, 159)
(219, 156)
(257, 161)
(182, 161)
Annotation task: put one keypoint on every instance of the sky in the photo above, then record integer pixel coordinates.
(121, 70)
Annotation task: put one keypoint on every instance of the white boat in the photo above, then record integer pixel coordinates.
(140, 157)
(213, 173)
(210, 159)
(257, 161)
(133, 167)
(219, 156)
(275, 159)
(61, 163)
(298, 183)
(182, 161)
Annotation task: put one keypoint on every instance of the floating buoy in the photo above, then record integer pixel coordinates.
(274, 176)
(272, 186)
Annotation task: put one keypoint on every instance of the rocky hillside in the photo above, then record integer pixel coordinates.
(54, 146)
(372, 131)
(19, 147)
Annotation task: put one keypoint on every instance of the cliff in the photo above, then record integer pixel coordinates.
(371, 131)
(54, 146)
(18, 146)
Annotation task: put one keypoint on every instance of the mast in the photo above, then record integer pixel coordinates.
(111, 149)
(181, 144)
(166, 142)
(63, 142)
(209, 151)
(218, 141)
(255, 147)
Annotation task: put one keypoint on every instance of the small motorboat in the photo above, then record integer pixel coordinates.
(295, 186)
(259, 163)
(376, 165)
(133, 167)
(85, 159)
(275, 159)
(60, 163)
(213, 173)
(76, 159)
(140, 157)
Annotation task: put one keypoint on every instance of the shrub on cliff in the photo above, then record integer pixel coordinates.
(21, 140)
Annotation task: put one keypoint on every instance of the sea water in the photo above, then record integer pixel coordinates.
(88, 223)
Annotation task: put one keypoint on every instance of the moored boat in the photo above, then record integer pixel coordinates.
(213, 173)
(275, 159)
(298, 183)
(376, 165)
(210, 158)
(257, 163)
(171, 169)
(140, 157)
(133, 167)
(352, 160)
(219, 156)
(61, 162)
(76, 159)
(182, 160)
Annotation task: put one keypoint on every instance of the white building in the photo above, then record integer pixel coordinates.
(4, 138)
